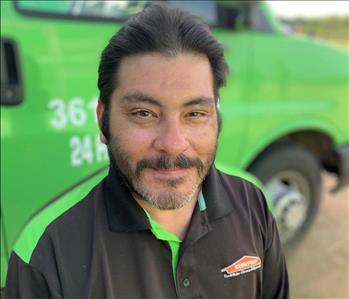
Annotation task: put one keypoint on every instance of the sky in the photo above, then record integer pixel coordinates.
(291, 9)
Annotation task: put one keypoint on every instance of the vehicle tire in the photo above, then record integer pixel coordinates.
(291, 175)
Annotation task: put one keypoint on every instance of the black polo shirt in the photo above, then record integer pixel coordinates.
(103, 247)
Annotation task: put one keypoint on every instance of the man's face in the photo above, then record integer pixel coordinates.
(163, 126)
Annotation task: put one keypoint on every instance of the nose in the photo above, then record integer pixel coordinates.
(171, 138)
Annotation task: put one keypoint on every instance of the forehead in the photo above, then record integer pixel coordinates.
(173, 78)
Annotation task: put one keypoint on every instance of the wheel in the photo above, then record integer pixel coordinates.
(291, 175)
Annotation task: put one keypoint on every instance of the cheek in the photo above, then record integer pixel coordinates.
(204, 141)
(135, 142)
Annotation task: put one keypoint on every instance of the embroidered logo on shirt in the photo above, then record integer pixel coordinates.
(244, 265)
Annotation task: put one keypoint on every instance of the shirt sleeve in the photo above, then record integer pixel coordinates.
(25, 281)
(275, 277)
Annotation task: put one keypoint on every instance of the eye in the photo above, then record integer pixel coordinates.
(197, 114)
(142, 114)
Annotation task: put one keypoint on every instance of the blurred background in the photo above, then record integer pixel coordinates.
(325, 20)
(318, 268)
(285, 117)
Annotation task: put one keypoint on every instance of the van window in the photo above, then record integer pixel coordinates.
(83, 9)
(223, 14)
(259, 21)
(207, 10)
(111, 10)
(114, 9)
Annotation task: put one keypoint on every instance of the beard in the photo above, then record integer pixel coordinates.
(171, 198)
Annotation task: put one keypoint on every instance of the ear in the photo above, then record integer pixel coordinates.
(99, 112)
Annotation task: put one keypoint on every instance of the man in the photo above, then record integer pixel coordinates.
(164, 223)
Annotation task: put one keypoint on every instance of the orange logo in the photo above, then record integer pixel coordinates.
(244, 265)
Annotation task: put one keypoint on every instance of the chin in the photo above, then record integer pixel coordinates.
(170, 202)
(170, 198)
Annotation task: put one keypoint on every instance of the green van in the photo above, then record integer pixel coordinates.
(285, 108)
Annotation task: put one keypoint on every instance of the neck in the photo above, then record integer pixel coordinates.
(175, 221)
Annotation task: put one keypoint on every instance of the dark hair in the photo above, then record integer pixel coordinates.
(158, 28)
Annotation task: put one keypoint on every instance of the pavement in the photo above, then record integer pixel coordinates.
(319, 266)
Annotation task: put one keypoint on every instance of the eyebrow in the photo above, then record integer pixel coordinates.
(203, 101)
(141, 97)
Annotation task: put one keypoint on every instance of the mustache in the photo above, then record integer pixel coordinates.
(166, 162)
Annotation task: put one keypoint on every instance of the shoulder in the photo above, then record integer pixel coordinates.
(249, 202)
(64, 214)
(246, 194)
(242, 183)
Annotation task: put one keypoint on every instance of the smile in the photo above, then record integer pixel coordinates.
(169, 172)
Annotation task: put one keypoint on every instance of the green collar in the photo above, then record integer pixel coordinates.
(161, 233)
(173, 241)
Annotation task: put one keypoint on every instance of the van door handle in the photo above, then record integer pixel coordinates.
(11, 76)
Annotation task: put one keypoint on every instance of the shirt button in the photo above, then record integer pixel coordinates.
(186, 282)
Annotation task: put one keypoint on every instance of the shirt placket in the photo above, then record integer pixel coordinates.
(187, 282)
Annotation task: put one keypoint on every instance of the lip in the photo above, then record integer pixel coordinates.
(169, 172)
